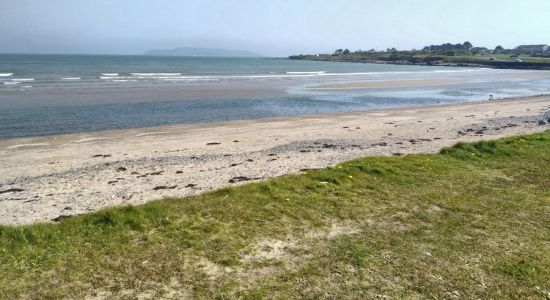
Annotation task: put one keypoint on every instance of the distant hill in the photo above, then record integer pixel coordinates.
(210, 52)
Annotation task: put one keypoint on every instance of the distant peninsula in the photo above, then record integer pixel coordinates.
(207, 52)
(456, 55)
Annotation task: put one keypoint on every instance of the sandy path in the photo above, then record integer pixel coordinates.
(46, 177)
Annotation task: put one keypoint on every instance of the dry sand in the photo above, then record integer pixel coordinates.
(43, 178)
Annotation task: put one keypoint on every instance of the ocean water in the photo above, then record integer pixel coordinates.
(53, 94)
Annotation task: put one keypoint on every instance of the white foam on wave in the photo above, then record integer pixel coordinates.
(312, 74)
(178, 77)
(458, 71)
(22, 79)
(113, 77)
(163, 77)
(306, 73)
(324, 73)
(287, 75)
(156, 74)
(11, 82)
(190, 79)
(295, 75)
(70, 78)
(5, 74)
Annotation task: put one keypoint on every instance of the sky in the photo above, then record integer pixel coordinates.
(268, 27)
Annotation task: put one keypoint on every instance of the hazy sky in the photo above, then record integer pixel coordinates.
(270, 27)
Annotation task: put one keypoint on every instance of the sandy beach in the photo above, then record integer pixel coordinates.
(44, 179)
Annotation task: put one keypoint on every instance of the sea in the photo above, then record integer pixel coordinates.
(55, 94)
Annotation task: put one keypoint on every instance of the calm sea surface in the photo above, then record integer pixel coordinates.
(53, 94)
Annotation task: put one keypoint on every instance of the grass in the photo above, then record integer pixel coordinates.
(498, 57)
(413, 57)
(470, 222)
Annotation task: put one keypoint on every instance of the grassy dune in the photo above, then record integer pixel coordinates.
(471, 222)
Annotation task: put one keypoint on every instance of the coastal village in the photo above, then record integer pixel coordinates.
(447, 54)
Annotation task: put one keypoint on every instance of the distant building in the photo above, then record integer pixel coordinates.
(479, 50)
(531, 49)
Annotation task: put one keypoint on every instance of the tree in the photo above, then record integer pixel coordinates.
(467, 45)
(346, 52)
(338, 52)
(498, 49)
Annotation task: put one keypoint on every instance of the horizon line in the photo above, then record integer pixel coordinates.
(136, 54)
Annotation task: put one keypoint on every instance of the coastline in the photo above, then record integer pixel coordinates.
(512, 65)
(56, 176)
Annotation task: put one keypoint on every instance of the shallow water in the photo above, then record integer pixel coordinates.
(52, 94)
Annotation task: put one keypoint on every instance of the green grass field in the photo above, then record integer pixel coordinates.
(487, 60)
(472, 222)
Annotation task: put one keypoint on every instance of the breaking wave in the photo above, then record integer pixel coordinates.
(156, 74)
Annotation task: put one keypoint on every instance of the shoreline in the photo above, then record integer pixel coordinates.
(10, 140)
(386, 84)
(505, 65)
(50, 177)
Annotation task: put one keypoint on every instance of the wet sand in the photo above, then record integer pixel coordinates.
(47, 178)
(389, 84)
